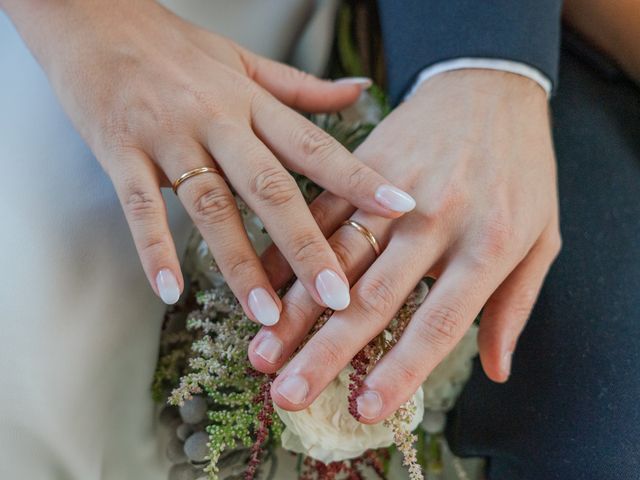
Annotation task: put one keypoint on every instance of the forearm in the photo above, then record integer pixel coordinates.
(55, 29)
(613, 27)
(42, 24)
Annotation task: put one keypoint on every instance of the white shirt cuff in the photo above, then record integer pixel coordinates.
(482, 63)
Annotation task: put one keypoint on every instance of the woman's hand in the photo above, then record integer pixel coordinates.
(155, 97)
(474, 148)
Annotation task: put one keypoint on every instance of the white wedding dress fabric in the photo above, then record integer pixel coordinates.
(79, 323)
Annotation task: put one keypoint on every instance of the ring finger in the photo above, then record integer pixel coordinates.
(273, 345)
(272, 193)
(210, 203)
(377, 296)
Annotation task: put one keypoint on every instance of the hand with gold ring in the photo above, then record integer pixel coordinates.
(485, 226)
(161, 101)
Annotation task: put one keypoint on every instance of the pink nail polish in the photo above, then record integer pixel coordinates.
(394, 199)
(294, 389)
(263, 307)
(369, 404)
(269, 348)
(333, 291)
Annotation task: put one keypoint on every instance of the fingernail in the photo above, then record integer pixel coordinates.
(363, 82)
(269, 348)
(168, 287)
(394, 199)
(369, 404)
(332, 290)
(263, 307)
(294, 389)
(506, 363)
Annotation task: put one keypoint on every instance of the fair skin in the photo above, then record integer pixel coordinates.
(474, 148)
(155, 96)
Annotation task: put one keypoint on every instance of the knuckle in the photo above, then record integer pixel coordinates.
(273, 185)
(314, 143)
(404, 375)
(295, 75)
(148, 109)
(241, 266)
(499, 236)
(213, 205)
(441, 325)
(153, 245)
(117, 133)
(357, 178)
(450, 199)
(307, 247)
(203, 101)
(140, 205)
(496, 241)
(375, 297)
(296, 312)
(328, 351)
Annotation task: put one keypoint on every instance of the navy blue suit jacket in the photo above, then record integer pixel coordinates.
(419, 33)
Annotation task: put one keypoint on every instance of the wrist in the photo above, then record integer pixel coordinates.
(57, 30)
(486, 82)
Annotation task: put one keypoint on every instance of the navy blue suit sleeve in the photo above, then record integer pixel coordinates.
(419, 33)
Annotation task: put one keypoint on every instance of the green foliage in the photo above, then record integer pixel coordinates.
(218, 367)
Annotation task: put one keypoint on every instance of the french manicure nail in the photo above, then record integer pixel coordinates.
(333, 291)
(263, 307)
(369, 404)
(269, 348)
(294, 389)
(168, 287)
(362, 82)
(394, 199)
(506, 363)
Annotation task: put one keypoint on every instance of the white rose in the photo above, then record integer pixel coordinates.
(327, 432)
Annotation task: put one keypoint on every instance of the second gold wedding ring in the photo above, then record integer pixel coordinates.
(366, 233)
(192, 173)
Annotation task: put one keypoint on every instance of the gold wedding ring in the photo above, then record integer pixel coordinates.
(192, 173)
(366, 233)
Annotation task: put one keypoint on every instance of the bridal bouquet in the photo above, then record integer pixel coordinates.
(222, 421)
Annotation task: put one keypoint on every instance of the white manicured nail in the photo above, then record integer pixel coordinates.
(263, 307)
(394, 199)
(362, 82)
(369, 404)
(294, 389)
(269, 348)
(332, 290)
(168, 287)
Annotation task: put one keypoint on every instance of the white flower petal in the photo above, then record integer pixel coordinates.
(327, 432)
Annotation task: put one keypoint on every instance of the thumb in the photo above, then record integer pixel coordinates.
(301, 90)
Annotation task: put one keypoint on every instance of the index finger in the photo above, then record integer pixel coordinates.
(376, 297)
(305, 148)
(328, 211)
